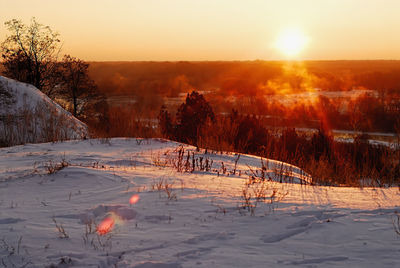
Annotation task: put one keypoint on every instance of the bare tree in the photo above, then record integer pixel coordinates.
(30, 54)
(76, 86)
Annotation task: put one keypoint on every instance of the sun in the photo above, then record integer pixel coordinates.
(291, 42)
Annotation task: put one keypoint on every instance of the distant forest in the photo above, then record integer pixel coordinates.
(261, 88)
(240, 77)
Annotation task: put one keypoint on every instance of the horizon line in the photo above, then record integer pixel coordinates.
(257, 60)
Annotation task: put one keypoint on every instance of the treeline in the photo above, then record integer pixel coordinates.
(364, 113)
(240, 77)
(330, 163)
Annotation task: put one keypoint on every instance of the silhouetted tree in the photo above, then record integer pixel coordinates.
(192, 115)
(322, 143)
(289, 142)
(251, 135)
(30, 54)
(97, 115)
(76, 86)
(165, 123)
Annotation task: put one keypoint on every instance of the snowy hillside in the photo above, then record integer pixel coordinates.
(28, 116)
(156, 203)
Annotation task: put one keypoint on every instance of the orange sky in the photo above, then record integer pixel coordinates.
(214, 29)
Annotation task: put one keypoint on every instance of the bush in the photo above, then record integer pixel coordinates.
(193, 115)
(251, 135)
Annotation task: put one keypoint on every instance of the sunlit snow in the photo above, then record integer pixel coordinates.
(185, 218)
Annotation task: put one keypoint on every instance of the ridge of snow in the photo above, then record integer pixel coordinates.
(33, 111)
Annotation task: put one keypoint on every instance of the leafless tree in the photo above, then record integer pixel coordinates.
(76, 86)
(30, 54)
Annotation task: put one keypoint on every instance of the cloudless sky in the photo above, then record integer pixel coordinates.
(214, 29)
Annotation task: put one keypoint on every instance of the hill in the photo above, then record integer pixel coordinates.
(29, 116)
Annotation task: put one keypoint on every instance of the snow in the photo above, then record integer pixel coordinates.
(116, 187)
(28, 115)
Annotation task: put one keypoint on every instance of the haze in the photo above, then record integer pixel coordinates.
(158, 30)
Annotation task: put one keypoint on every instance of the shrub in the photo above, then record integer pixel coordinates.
(193, 115)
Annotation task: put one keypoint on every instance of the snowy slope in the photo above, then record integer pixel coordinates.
(27, 116)
(198, 220)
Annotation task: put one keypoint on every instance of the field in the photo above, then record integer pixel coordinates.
(156, 203)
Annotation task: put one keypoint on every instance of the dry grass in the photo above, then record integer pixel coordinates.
(258, 190)
(162, 185)
(53, 167)
(396, 223)
(43, 124)
(60, 229)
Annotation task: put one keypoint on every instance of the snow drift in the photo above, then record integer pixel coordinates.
(29, 116)
(81, 213)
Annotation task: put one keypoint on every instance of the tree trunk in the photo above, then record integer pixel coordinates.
(75, 101)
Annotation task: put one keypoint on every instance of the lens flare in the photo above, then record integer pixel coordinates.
(134, 199)
(105, 226)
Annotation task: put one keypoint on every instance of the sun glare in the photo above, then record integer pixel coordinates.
(134, 199)
(105, 226)
(291, 42)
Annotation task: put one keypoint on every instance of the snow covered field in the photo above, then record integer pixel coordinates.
(139, 203)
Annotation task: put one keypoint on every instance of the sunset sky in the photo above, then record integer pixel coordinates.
(216, 29)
